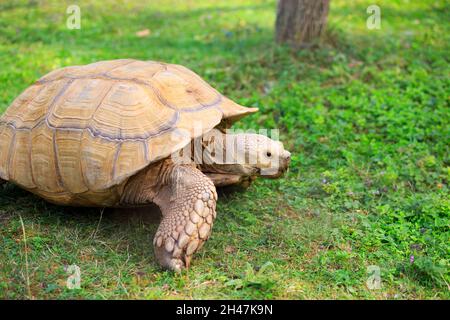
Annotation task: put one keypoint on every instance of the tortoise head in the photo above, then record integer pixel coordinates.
(263, 156)
(246, 154)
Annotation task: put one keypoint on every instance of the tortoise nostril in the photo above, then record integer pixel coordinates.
(288, 157)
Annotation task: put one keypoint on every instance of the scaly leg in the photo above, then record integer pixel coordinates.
(188, 205)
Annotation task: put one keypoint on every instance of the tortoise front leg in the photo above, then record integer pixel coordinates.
(188, 205)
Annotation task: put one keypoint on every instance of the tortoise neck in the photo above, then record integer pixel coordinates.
(224, 153)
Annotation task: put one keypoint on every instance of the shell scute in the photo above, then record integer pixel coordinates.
(76, 107)
(43, 160)
(20, 160)
(136, 70)
(30, 108)
(7, 138)
(97, 161)
(130, 112)
(182, 93)
(130, 155)
(68, 144)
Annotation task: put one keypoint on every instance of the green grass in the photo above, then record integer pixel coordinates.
(365, 114)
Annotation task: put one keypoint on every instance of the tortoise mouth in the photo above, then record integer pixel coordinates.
(274, 173)
(277, 175)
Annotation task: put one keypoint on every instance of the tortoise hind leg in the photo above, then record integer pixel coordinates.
(188, 205)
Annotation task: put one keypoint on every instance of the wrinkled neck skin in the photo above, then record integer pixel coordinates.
(225, 153)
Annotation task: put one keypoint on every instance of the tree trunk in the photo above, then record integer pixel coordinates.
(301, 22)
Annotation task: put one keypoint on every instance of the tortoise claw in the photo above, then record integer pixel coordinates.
(167, 261)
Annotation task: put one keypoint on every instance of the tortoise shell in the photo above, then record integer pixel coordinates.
(80, 131)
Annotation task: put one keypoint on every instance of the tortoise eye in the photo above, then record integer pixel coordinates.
(269, 154)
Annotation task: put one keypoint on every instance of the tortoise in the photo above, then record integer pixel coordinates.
(106, 135)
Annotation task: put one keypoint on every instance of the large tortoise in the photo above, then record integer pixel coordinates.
(105, 135)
